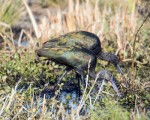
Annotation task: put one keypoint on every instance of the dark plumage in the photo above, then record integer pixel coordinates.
(76, 58)
(86, 40)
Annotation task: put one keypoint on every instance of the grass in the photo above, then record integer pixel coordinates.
(114, 22)
(10, 11)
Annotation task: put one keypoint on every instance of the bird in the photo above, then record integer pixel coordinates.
(79, 59)
(86, 40)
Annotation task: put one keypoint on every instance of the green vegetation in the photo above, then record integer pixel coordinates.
(10, 11)
(22, 79)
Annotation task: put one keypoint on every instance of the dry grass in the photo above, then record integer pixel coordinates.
(115, 23)
(105, 23)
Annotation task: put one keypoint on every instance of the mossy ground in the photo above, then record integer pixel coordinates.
(23, 81)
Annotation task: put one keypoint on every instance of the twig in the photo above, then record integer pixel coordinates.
(35, 27)
(134, 43)
(135, 61)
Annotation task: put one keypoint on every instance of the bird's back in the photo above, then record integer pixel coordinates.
(74, 39)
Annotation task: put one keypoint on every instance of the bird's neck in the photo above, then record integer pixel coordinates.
(104, 56)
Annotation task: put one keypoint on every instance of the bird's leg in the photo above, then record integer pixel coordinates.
(115, 87)
(105, 74)
(56, 87)
(114, 60)
(79, 78)
(60, 78)
(120, 71)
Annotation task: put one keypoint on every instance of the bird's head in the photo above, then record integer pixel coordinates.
(115, 61)
(112, 58)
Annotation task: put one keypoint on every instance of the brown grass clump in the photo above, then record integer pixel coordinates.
(117, 25)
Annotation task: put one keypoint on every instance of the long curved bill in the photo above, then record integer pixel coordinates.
(115, 87)
(119, 70)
